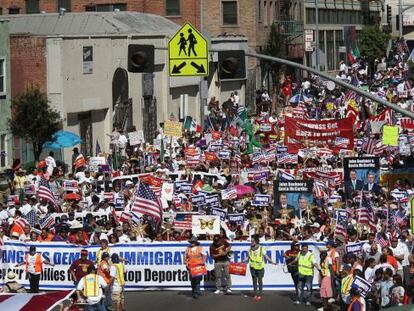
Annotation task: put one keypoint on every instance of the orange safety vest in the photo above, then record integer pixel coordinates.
(103, 271)
(38, 263)
(194, 258)
(334, 266)
(356, 300)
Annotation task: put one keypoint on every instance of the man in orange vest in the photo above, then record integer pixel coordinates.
(194, 258)
(34, 267)
(334, 256)
(356, 301)
(104, 270)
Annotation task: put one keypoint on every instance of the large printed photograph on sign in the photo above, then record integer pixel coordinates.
(361, 174)
(292, 198)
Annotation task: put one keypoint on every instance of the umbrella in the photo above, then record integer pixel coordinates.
(73, 196)
(295, 99)
(243, 190)
(62, 139)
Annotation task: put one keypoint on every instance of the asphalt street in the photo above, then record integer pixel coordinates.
(238, 301)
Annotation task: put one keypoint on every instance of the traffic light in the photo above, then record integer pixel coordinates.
(140, 58)
(232, 65)
(389, 15)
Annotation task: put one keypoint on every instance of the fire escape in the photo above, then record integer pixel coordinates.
(290, 26)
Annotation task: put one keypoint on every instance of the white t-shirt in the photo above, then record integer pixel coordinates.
(114, 273)
(25, 209)
(31, 263)
(4, 215)
(366, 248)
(401, 250)
(101, 284)
(51, 164)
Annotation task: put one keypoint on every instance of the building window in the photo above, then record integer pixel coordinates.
(64, 4)
(172, 8)
(32, 6)
(3, 150)
(1, 11)
(229, 11)
(2, 76)
(14, 11)
(106, 7)
(260, 11)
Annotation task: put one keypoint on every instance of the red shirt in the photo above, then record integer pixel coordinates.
(80, 267)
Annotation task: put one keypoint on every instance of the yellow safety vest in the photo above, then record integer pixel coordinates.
(256, 260)
(305, 264)
(99, 254)
(120, 270)
(90, 285)
(346, 284)
(325, 267)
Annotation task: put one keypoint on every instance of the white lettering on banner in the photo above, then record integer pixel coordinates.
(151, 265)
(81, 217)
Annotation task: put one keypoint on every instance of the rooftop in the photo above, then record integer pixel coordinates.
(90, 23)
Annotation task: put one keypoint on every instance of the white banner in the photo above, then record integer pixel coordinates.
(157, 265)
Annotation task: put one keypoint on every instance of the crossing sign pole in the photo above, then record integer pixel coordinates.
(188, 53)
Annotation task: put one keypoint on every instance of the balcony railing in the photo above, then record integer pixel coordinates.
(290, 28)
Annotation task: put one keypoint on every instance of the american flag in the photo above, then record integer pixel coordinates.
(147, 203)
(325, 153)
(45, 192)
(21, 222)
(366, 213)
(382, 240)
(287, 158)
(320, 190)
(285, 175)
(380, 148)
(31, 217)
(47, 221)
(125, 216)
(399, 216)
(341, 142)
(157, 191)
(369, 145)
(341, 223)
(183, 221)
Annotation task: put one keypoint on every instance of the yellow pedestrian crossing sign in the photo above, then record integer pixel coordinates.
(188, 52)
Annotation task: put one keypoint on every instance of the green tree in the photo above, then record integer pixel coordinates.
(276, 47)
(33, 119)
(374, 42)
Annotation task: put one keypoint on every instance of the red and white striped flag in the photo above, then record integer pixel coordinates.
(407, 123)
(147, 203)
(45, 192)
(183, 221)
(21, 222)
(27, 302)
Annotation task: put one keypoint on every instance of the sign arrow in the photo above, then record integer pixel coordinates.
(176, 69)
(200, 68)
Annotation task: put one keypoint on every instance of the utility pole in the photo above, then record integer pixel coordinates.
(317, 34)
(201, 86)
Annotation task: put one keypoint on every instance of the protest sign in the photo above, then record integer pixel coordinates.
(136, 138)
(94, 163)
(29, 189)
(292, 194)
(361, 285)
(70, 185)
(156, 265)
(206, 224)
(300, 132)
(390, 135)
(261, 200)
(219, 212)
(173, 129)
(238, 218)
(212, 200)
(355, 248)
(229, 194)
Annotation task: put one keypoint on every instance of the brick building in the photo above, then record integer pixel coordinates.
(177, 11)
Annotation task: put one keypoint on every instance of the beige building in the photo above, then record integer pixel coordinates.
(84, 61)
